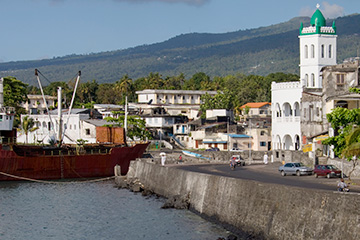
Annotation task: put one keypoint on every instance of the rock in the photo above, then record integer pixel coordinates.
(147, 192)
(178, 202)
(232, 237)
(121, 182)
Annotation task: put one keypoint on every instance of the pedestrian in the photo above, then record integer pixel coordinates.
(163, 158)
(266, 158)
(180, 159)
(342, 186)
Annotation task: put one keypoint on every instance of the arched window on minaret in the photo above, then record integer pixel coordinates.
(312, 51)
(313, 80)
(322, 51)
(307, 80)
(330, 49)
(306, 51)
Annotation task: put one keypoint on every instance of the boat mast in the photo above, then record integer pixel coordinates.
(71, 104)
(43, 96)
(126, 113)
(1, 93)
(59, 114)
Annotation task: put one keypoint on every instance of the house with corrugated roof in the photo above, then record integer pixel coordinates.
(251, 109)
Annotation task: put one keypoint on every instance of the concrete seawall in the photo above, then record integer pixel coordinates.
(267, 211)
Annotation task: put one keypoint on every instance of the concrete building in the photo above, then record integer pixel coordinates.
(175, 102)
(36, 104)
(80, 124)
(258, 109)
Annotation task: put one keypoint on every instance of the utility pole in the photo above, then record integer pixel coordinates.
(250, 143)
(228, 143)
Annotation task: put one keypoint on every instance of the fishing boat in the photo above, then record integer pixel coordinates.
(196, 155)
(63, 161)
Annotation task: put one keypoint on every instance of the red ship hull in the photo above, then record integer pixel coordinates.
(66, 164)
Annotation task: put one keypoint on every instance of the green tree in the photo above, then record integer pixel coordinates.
(136, 126)
(197, 81)
(106, 94)
(14, 95)
(124, 88)
(67, 92)
(346, 141)
(87, 92)
(222, 100)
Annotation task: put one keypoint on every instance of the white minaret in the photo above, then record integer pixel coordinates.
(317, 49)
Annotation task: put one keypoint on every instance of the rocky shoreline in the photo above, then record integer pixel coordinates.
(177, 202)
(134, 185)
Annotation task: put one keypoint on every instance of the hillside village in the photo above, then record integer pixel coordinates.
(295, 119)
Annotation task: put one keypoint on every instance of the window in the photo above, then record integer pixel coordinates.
(306, 51)
(330, 50)
(312, 51)
(307, 80)
(1, 118)
(340, 79)
(87, 131)
(74, 127)
(262, 144)
(262, 133)
(322, 51)
(317, 112)
(304, 113)
(313, 80)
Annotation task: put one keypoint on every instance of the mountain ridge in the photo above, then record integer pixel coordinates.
(260, 51)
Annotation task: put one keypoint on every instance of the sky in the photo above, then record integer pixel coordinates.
(42, 29)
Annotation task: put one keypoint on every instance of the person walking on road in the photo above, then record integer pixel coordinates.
(163, 158)
(266, 158)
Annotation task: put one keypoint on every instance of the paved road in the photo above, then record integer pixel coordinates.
(269, 174)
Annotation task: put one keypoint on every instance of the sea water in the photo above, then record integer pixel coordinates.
(93, 211)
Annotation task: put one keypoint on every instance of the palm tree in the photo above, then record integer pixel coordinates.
(27, 126)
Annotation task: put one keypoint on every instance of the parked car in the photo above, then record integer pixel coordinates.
(236, 150)
(327, 170)
(213, 149)
(238, 160)
(295, 168)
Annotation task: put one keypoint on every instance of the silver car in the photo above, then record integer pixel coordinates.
(295, 168)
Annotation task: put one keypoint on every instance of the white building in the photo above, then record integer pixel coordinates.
(285, 118)
(78, 124)
(175, 102)
(36, 104)
(317, 49)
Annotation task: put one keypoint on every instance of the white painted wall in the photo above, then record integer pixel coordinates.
(285, 119)
(311, 62)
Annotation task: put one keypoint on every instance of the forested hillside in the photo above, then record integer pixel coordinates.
(258, 51)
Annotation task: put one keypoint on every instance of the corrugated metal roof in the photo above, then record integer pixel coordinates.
(239, 136)
(255, 104)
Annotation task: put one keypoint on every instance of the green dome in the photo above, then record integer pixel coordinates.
(318, 19)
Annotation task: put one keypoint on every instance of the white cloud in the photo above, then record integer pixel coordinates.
(328, 10)
(332, 11)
